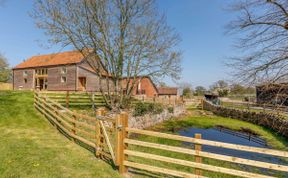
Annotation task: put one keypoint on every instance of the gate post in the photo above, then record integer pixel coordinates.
(198, 159)
(121, 134)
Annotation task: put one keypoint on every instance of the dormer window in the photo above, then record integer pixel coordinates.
(63, 70)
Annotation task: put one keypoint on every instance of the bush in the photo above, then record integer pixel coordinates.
(141, 109)
(170, 109)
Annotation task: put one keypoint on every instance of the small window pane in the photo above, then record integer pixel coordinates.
(63, 70)
(25, 73)
(63, 79)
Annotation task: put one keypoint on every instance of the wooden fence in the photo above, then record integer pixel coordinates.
(112, 139)
(96, 133)
(76, 99)
(123, 153)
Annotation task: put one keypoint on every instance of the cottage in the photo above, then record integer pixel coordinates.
(65, 71)
(144, 86)
(70, 71)
(168, 92)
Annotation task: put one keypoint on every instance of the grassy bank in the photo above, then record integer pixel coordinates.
(31, 147)
(201, 119)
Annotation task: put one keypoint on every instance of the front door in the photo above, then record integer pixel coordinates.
(82, 83)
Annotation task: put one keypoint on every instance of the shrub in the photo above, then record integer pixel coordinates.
(170, 109)
(141, 108)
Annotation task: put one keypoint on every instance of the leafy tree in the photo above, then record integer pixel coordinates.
(119, 38)
(187, 92)
(220, 87)
(186, 88)
(5, 72)
(237, 89)
(263, 27)
(200, 91)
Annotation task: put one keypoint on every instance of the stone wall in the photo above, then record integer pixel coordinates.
(148, 120)
(269, 120)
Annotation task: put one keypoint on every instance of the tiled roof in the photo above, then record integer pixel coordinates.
(167, 91)
(69, 57)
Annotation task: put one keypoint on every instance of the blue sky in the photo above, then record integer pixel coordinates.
(200, 24)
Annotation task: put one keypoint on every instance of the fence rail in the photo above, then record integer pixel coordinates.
(112, 139)
(95, 132)
(197, 153)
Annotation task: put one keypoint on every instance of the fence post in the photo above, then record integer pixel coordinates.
(202, 104)
(98, 134)
(121, 124)
(198, 159)
(67, 99)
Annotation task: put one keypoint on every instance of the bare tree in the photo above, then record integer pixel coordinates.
(263, 29)
(120, 38)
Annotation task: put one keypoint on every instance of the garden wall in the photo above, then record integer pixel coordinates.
(276, 123)
(148, 120)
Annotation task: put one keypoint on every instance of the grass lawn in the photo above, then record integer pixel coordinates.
(31, 147)
(197, 119)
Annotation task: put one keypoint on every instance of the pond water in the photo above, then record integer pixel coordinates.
(214, 134)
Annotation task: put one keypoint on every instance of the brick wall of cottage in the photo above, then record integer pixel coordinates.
(19, 79)
(54, 78)
(147, 85)
(92, 79)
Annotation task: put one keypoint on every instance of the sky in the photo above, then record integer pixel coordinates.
(200, 24)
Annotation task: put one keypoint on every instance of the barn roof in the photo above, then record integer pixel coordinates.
(167, 90)
(63, 58)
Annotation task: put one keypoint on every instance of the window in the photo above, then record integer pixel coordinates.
(25, 80)
(25, 73)
(41, 71)
(63, 79)
(63, 70)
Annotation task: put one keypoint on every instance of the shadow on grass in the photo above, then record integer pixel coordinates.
(82, 144)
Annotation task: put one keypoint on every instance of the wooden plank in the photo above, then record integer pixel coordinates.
(77, 114)
(209, 155)
(64, 129)
(160, 170)
(88, 134)
(198, 159)
(196, 165)
(52, 113)
(69, 119)
(108, 142)
(210, 143)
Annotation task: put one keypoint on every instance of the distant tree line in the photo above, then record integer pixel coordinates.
(221, 88)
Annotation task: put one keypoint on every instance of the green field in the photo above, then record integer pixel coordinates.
(31, 147)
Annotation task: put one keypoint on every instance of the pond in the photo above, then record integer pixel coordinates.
(234, 137)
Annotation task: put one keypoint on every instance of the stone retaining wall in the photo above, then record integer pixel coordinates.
(276, 123)
(148, 120)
